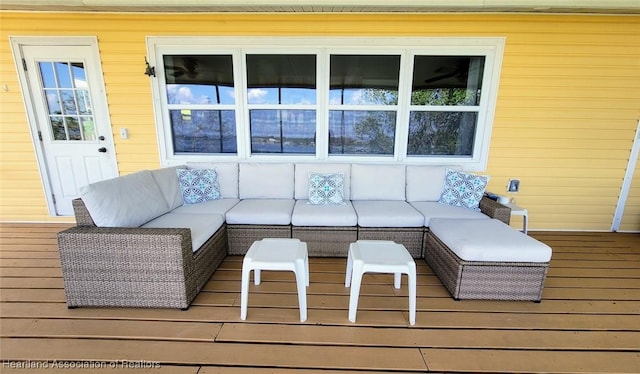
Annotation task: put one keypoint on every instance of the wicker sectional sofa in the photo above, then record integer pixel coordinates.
(136, 244)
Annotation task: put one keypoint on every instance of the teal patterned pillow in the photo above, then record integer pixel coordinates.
(463, 189)
(326, 189)
(198, 185)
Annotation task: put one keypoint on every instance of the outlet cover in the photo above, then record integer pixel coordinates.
(514, 185)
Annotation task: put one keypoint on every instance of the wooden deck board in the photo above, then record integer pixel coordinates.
(588, 320)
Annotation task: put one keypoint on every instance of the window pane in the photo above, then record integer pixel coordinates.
(361, 132)
(281, 79)
(79, 77)
(69, 102)
(57, 126)
(74, 128)
(447, 80)
(364, 80)
(64, 77)
(53, 101)
(199, 79)
(48, 77)
(442, 133)
(203, 131)
(283, 131)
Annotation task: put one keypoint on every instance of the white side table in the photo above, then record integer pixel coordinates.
(276, 254)
(379, 256)
(520, 211)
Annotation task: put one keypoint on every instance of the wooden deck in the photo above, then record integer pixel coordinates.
(588, 320)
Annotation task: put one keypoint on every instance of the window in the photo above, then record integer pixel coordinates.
(409, 100)
(281, 98)
(363, 101)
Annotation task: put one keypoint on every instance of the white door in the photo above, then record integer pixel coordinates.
(64, 91)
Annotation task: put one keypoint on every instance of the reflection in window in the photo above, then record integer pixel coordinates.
(360, 132)
(441, 133)
(364, 80)
(203, 131)
(281, 79)
(276, 81)
(447, 80)
(283, 131)
(68, 102)
(199, 79)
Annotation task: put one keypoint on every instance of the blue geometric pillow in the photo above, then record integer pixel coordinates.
(463, 189)
(198, 185)
(325, 189)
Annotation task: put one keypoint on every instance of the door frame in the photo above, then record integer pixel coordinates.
(626, 183)
(17, 42)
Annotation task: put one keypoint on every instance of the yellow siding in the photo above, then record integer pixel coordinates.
(567, 108)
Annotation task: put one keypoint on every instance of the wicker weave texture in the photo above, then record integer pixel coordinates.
(495, 210)
(484, 280)
(410, 237)
(136, 267)
(242, 236)
(326, 241)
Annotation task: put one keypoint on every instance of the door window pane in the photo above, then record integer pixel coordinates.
(68, 101)
(199, 79)
(441, 133)
(360, 132)
(364, 80)
(281, 79)
(203, 131)
(447, 80)
(283, 131)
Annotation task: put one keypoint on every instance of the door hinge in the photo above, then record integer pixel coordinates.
(40, 135)
(53, 198)
(24, 64)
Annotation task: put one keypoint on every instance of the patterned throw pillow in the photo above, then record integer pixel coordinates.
(198, 185)
(326, 189)
(463, 189)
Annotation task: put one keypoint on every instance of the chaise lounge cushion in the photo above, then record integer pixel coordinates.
(323, 215)
(488, 240)
(127, 201)
(261, 212)
(377, 213)
(433, 209)
(202, 226)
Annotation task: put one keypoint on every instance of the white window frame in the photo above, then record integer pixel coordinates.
(323, 47)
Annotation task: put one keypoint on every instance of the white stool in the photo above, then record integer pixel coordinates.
(379, 256)
(276, 254)
(520, 211)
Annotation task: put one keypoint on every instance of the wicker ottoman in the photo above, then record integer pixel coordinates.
(486, 259)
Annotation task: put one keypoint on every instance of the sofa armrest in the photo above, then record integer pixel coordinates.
(125, 253)
(83, 218)
(495, 210)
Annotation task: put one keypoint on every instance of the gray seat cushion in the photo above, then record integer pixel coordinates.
(202, 226)
(433, 209)
(381, 213)
(220, 206)
(305, 214)
(261, 212)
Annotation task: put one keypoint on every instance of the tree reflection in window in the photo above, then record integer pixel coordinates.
(440, 84)
(68, 102)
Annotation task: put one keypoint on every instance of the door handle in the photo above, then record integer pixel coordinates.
(102, 150)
